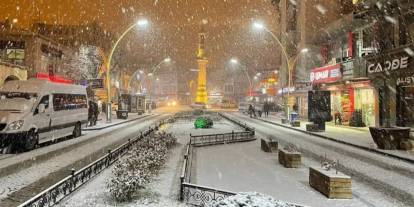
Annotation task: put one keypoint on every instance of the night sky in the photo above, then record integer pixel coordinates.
(173, 27)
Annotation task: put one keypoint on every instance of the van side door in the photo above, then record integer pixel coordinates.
(43, 119)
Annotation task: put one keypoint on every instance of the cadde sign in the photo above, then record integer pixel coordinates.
(399, 63)
(396, 64)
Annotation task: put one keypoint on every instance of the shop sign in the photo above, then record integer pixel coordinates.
(348, 69)
(326, 74)
(405, 80)
(286, 90)
(389, 65)
(396, 63)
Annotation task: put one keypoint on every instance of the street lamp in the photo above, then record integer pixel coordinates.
(154, 69)
(235, 61)
(139, 23)
(289, 61)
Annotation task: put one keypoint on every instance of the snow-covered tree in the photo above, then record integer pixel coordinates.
(86, 61)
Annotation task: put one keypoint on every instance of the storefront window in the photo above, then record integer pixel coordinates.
(364, 101)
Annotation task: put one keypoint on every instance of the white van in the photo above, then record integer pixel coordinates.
(38, 110)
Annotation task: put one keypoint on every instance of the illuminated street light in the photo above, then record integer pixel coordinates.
(234, 61)
(140, 23)
(290, 62)
(167, 60)
(258, 25)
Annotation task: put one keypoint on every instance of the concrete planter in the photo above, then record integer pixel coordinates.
(269, 145)
(312, 128)
(330, 183)
(290, 159)
(391, 138)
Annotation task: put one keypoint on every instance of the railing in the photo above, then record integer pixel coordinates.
(213, 139)
(60, 190)
(243, 125)
(197, 195)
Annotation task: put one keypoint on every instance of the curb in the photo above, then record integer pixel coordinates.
(411, 161)
(116, 124)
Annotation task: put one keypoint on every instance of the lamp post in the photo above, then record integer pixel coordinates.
(235, 61)
(289, 61)
(154, 69)
(140, 23)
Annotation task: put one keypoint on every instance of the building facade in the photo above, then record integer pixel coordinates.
(33, 52)
(343, 54)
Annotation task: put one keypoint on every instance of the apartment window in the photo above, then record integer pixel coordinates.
(12, 51)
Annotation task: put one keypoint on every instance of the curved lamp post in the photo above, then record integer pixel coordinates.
(154, 69)
(140, 23)
(289, 61)
(235, 61)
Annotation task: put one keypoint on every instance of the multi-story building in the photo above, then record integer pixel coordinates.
(300, 21)
(350, 55)
(32, 51)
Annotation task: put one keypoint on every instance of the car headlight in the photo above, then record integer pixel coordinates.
(16, 125)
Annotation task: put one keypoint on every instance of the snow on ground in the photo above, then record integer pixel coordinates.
(25, 177)
(225, 166)
(251, 199)
(164, 190)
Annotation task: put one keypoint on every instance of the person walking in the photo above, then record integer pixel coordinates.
(250, 110)
(90, 113)
(95, 113)
(266, 108)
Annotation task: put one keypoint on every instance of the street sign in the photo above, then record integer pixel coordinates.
(97, 83)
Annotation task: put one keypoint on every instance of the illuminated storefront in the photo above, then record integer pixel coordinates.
(348, 95)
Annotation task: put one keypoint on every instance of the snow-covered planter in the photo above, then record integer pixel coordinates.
(331, 183)
(251, 200)
(290, 157)
(269, 144)
(136, 169)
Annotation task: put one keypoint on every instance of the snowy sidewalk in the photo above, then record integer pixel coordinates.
(102, 124)
(357, 137)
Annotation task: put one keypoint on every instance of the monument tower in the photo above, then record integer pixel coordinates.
(201, 94)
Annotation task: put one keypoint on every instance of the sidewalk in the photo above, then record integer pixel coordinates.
(356, 137)
(102, 124)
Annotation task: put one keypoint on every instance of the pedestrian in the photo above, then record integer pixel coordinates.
(338, 118)
(266, 108)
(254, 111)
(250, 110)
(90, 113)
(96, 113)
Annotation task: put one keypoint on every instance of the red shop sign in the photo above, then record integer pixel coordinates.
(326, 74)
